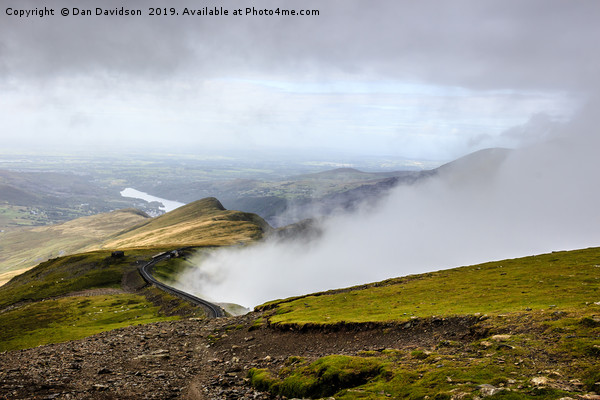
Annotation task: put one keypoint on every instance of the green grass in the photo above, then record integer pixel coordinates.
(560, 281)
(547, 306)
(71, 318)
(69, 274)
(556, 346)
(35, 310)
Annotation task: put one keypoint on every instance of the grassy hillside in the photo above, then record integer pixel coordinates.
(24, 248)
(51, 302)
(76, 296)
(533, 332)
(201, 223)
(560, 280)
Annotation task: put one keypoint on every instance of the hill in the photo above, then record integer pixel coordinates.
(201, 223)
(534, 330)
(79, 295)
(320, 194)
(22, 249)
(515, 329)
(347, 174)
(565, 280)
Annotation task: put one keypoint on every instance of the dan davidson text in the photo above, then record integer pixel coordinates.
(102, 11)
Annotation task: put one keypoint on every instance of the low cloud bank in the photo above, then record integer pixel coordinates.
(538, 199)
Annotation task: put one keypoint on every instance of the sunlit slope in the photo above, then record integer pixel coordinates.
(201, 223)
(566, 281)
(24, 248)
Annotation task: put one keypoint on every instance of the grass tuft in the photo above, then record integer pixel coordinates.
(321, 378)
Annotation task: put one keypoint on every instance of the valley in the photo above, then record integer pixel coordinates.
(328, 200)
(267, 186)
(58, 205)
(81, 323)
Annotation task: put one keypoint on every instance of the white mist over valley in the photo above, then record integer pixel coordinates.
(533, 200)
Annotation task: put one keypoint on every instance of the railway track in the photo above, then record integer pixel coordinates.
(212, 310)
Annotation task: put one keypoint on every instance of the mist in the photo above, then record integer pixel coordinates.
(426, 80)
(537, 199)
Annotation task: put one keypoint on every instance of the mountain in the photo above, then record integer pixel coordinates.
(201, 223)
(474, 168)
(344, 189)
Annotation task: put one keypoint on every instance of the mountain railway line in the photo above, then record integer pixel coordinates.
(212, 310)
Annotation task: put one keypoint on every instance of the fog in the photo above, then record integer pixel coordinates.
(423, 80)
(426, 80)
(540, 198)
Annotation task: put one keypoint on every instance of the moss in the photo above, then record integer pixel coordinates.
(261, 379)
(591, 376)
(321, 378)
(258, 323)
(590, 322)
(419, 354)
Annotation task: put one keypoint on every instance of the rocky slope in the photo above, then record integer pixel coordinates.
(189, 359)
(210, 359)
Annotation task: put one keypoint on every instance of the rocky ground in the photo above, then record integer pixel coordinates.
(210, 359)
(192, 359)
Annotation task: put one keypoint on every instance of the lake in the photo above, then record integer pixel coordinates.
(168, 205)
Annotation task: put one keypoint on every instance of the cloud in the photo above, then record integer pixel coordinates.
(411, 79)
(494, 44)
(538, 199)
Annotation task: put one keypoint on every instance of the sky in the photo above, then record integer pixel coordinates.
(416, 79)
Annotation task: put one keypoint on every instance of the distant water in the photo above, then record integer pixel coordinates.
(167, 205)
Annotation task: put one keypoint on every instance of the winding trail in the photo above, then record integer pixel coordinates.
(212, 310)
